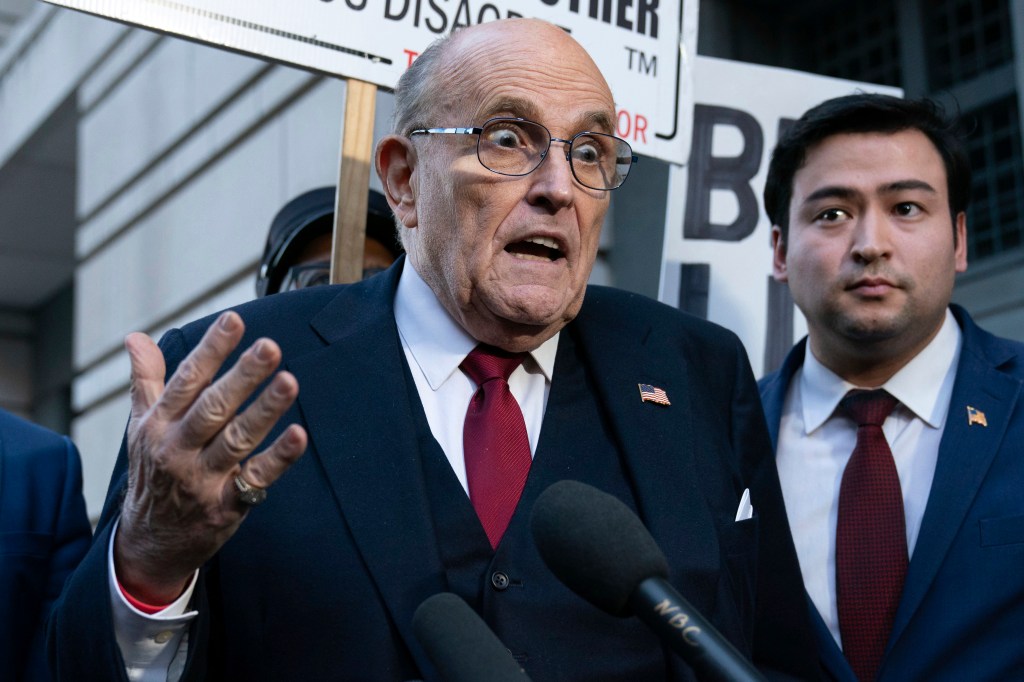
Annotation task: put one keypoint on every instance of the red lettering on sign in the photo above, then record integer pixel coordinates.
(631, 127)
(411, 55)
(640, 128)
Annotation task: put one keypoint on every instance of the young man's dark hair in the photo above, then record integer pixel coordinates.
(865, 113)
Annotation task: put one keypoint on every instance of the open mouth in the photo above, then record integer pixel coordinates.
(536, 248)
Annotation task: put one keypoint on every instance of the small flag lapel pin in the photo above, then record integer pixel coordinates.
(653, 394)
(975, 416)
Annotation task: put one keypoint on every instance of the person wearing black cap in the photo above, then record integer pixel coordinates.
(298, 250)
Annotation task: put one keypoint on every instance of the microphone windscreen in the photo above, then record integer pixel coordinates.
(460, 644)
(595, 544)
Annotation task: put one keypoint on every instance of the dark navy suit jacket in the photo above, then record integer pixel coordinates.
(44, 533)
(321, 581)
(961, 616)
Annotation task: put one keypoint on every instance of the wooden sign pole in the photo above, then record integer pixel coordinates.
(350, 202)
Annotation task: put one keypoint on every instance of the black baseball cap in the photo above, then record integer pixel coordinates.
(308, 216)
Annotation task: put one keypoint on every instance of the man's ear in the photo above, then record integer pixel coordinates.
(960, 239)
(779, 270)
(396, 165)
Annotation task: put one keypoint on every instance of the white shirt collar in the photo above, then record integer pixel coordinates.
(436, 341)
(918, 385)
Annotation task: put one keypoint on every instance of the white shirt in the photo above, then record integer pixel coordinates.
(435, 345)
(154, 646)
(814, 446)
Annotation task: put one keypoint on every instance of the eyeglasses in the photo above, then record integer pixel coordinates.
(314, 274)
(515, 146)
(306, 275)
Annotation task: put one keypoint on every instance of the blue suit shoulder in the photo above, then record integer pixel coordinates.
(289, 318)
(23, 439)
(272, 316)
(40, 479)
(36, 464)
(1005, 355)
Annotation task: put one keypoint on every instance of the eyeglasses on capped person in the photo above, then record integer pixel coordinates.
(315, 274)
(516, 146)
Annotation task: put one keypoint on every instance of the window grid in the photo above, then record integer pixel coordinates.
(997, 207)
(966, 38)
(963, 39)
(872, 57)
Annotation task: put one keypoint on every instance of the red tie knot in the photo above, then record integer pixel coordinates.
(868, 408)
(485, 363)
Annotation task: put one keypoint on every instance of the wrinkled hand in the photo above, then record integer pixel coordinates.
(185, 446)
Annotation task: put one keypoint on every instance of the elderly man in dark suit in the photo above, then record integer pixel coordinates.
(899, 422)
(438, 400)
(44, 533)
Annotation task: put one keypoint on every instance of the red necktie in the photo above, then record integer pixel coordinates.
(494, 437)
(871, 537)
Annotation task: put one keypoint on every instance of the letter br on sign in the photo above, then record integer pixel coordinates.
(643, 47)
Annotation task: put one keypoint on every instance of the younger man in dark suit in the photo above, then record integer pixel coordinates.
(899, 423)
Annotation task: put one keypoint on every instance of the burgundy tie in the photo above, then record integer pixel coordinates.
(871, 537)
(494, 437)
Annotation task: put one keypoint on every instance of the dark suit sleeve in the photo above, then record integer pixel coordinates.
(44, 532)
(73, 532)
(70, 542)
(783, 644)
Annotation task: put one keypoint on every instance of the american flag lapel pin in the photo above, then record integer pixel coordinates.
(653, 394)
(976, 416)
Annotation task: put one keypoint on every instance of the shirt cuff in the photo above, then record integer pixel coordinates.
(148, 642)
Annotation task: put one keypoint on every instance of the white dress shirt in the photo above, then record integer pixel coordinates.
(814, 445)
(435, 345)
(154, 646)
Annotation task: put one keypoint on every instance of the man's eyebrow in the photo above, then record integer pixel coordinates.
(904, 185)
(841, 192)
(598, 120)
(514, 106)
(830, 192)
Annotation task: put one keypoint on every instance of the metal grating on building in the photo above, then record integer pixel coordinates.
(966, 38)
(873, 56)
(997, 204)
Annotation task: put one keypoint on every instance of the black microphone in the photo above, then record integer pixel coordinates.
(459, 643)
(601, 550)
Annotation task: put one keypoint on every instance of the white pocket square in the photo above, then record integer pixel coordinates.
(745, 510)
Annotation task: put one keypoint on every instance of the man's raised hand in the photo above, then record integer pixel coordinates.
(186, 443)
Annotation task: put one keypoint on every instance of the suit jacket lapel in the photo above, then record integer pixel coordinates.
(773, 388)
(829, 654)
(357, 411)
(655, 440)
(965, 454)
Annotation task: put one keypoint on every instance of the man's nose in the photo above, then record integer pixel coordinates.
(553, 182)
(872, 236)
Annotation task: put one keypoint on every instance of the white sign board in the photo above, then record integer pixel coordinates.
(717, 255)
(643, 47)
